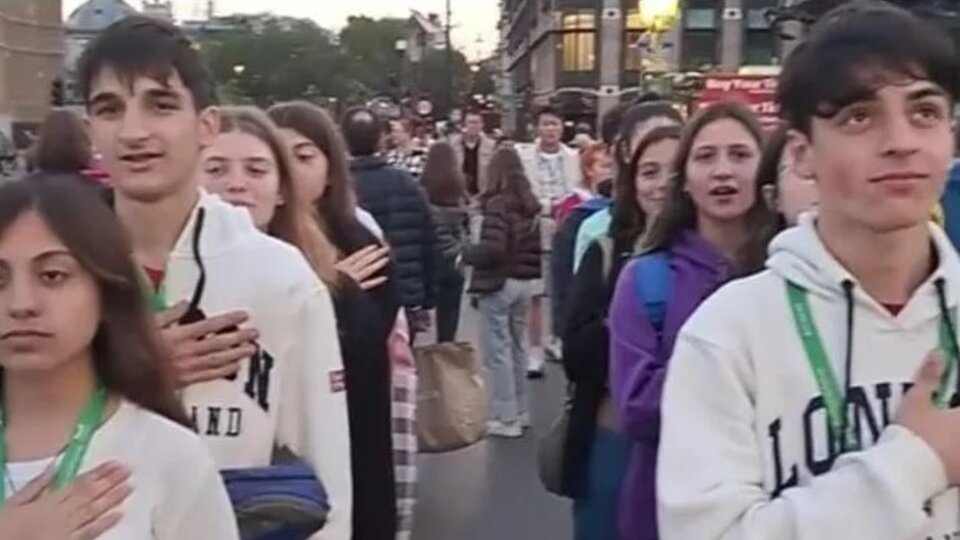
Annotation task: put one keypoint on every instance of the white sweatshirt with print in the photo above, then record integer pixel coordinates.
(744, 451)
(291, 392)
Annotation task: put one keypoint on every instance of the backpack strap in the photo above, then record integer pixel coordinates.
(654, 279)
(606, 252)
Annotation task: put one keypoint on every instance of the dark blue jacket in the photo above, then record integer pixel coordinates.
(401, 209)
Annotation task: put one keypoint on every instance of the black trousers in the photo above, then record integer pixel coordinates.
(449, 296)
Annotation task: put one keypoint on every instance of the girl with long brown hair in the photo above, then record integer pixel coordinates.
(446, 190)
(596, 452)
(506, 263)
(713, 226)
(249, 165)
(83, 379)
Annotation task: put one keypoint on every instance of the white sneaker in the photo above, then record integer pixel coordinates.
(535, 365)
(553, 351)
(510, 430)
(524, 420)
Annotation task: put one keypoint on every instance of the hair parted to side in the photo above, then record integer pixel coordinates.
(856, 49)
(547, 110)
(336, 208)
(637, 114)
(362, 128)
(62, 144)
(768, 171)
(442, 177)
(505, 176)
(141, 46)
(629, 221)
(293, 221)
(127, 355)
(679, 212)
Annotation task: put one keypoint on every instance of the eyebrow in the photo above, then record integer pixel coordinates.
(162, 93)
(259, 160)
(305, 144)
(54, 253)
(928, 92)
(102, 97)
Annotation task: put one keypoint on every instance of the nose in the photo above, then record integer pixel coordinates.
(722, 168)
(236, 182)
(22, 300)
(899, 138)
(132, 127)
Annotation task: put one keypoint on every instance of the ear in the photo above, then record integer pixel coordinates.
(799, 149)
(208, 125)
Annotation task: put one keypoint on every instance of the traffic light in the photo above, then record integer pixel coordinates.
(57, 98)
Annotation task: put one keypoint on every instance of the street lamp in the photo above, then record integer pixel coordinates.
(657, 18)
(239, 69)
(475, 68)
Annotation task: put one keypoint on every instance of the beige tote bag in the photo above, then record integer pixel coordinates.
(451, 398)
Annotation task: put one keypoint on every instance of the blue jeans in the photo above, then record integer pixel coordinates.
(595, 513)
(503, 330)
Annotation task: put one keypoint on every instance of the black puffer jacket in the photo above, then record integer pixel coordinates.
(509, 246)
(401, 209)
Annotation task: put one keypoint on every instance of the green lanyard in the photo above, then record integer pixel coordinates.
(69, 466)
(834, 399)
(156, 299)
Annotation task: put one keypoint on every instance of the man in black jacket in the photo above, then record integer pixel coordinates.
(401, 209)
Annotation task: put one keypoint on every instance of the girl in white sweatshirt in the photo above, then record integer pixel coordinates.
(83, 379)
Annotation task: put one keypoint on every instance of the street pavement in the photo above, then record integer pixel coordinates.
(491, 490)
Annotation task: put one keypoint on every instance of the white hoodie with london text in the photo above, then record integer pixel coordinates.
(744, 451)
(291, 392)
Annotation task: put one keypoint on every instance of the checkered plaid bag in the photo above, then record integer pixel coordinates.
(404, 412)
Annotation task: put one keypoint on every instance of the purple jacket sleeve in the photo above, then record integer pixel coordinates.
(636, 373)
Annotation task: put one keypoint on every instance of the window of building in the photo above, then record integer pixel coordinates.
(701, 34)
(578, 41)
(761, 45)
(632, 34)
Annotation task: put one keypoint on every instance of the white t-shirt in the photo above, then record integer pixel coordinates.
(177, 491)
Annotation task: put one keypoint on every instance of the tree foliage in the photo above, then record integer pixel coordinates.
(284, 60)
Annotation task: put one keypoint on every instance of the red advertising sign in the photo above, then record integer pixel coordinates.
(757, 91)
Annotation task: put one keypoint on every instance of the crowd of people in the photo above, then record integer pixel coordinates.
(758, 328)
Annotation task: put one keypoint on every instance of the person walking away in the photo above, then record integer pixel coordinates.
(814, 398)
(714, 225)
(474, 150)
(85, 383)
(250, 342)
(401, 209)
(596, 452)
(506, 262)
(62, 145)
(248, 166)
(553, 170)
(406, 152)
(638, 120)
(444, 185)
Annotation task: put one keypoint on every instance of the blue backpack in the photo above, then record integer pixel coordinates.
(279, 502)
(654, 280)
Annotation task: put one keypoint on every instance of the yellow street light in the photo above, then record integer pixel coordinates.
(658, 16)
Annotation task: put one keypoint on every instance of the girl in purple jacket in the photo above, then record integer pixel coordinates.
(714, 226)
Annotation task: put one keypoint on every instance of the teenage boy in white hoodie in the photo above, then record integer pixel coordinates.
(754, 445)
(150, 107)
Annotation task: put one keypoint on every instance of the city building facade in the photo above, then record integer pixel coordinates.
(31, 53)
(585, 56)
